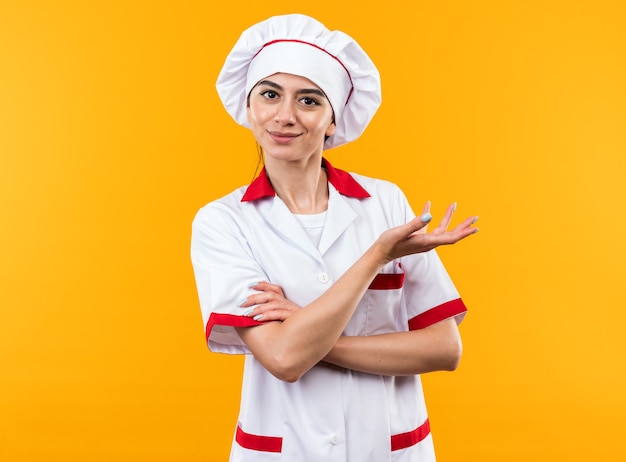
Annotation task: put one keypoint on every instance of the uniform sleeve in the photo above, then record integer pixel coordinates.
(224, 268)
(429, 295)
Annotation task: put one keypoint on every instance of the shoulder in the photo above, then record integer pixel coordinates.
(376, 184)
(379, 188)
(220, 211)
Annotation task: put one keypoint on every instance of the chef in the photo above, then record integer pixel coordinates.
(326, 280)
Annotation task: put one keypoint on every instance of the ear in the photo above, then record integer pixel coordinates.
(330, 130)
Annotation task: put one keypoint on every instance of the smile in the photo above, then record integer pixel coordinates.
(283, 138)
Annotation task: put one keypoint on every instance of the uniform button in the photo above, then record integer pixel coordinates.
(336, 438)
(323, 278)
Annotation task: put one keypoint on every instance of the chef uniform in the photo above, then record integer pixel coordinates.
(330, 414)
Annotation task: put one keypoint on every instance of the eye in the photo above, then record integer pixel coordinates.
(269, 94)
(308, 101)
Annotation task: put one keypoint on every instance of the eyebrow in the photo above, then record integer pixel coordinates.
(314, 91)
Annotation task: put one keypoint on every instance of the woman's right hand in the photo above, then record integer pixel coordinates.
(268, 303)
(414, 237)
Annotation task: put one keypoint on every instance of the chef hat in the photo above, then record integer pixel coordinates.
(300, 45)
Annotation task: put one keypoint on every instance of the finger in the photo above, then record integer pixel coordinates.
(245, 303)
(447, 218)
(268, 287)
(257, 299)
(258, 285)
(265, 286)
(460, 232)
(432, 240)
(274, 315)
(272, 312)
(425, 213)
(416, 224)
(281, 305)
(468, 222)
(260, 304)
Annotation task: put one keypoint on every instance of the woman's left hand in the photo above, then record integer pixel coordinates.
(270, 303)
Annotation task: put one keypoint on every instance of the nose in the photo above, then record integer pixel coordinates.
(285, 113)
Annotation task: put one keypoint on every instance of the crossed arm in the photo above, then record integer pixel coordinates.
(290, 348)
(437, 347)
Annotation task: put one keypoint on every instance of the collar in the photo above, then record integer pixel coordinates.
(343, 182)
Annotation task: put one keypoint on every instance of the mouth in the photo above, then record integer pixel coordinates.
(282, 137)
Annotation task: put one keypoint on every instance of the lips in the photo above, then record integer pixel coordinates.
(282, 137)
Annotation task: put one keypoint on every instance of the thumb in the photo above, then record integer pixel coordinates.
(420, 222)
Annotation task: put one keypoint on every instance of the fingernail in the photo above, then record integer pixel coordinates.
(258, 317)
(454, 207)
(252, 284)
(426, 217)
(475, 231)
(474, 220)
(241, 302)
(248, 312)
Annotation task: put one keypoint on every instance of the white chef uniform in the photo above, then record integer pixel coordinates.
(330, 414)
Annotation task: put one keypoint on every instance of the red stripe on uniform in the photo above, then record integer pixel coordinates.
(438, 313)
(387, 281)
(228, 320)
(258, 443)
(408, 439)
(275, 443)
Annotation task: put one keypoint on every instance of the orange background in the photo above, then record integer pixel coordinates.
(112, 136)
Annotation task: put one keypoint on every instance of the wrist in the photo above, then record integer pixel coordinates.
(334, 354)
(379, 257)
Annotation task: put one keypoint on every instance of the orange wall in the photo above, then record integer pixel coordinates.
(112, 136)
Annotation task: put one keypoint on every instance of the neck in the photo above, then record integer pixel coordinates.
(302, 185)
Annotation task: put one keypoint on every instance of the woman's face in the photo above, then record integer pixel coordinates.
(290, 116)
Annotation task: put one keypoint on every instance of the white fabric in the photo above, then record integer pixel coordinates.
(341, 57)
(303, 59)
(313, 224)
(330, 414)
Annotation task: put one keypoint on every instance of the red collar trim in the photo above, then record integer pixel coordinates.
(342, 181)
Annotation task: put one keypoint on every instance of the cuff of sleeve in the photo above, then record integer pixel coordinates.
(439, 313)
(230, 320)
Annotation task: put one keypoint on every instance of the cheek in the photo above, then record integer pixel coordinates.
(257, 116)
(253, 117)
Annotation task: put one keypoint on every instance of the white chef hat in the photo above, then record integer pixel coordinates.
(300, 45)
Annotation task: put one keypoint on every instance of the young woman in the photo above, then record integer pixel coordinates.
(325, 280)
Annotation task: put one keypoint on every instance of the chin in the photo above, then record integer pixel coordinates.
(291, 153)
